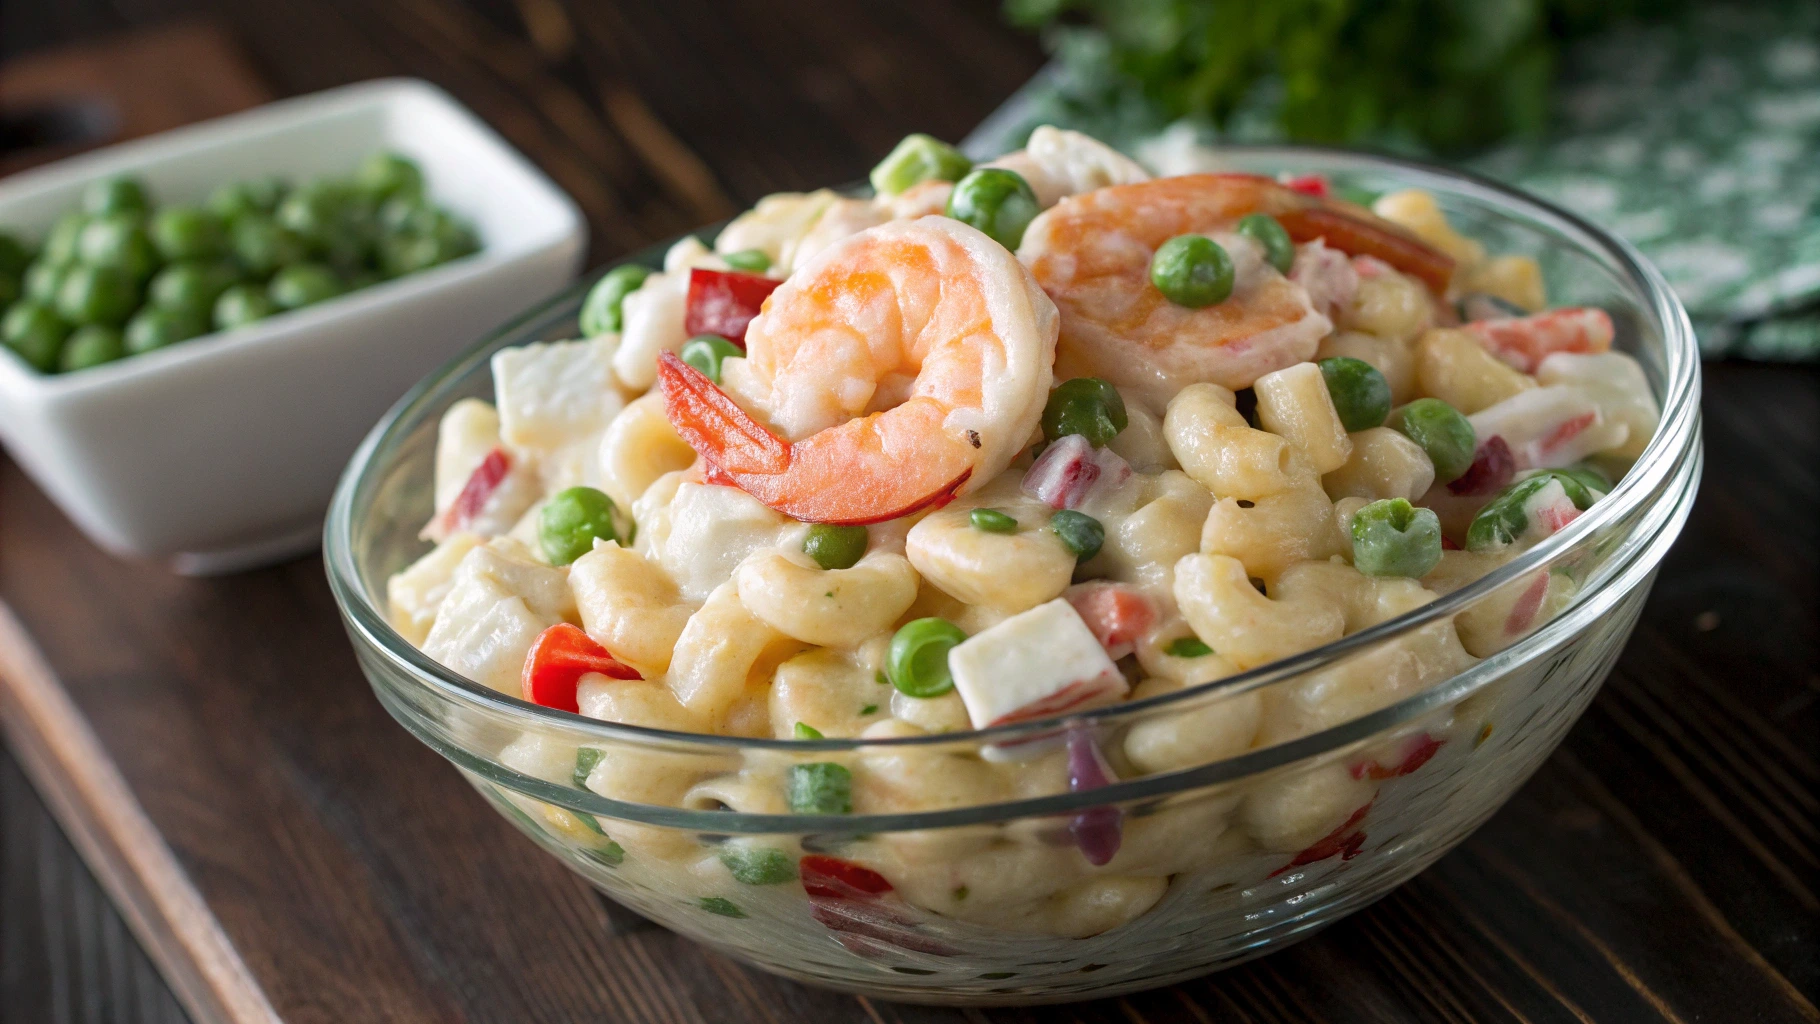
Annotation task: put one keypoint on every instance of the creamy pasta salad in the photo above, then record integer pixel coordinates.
(1008, 442)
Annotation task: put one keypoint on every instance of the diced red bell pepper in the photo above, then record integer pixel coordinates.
(857, 904)
(723, 302)
(557, 660)
(827, 877)
(1117, 614)
(1315, 185)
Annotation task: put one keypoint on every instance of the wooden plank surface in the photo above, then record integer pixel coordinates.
(1662, 866)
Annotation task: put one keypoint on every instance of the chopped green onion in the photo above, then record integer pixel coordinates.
(819, 788)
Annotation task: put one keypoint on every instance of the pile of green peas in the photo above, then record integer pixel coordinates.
(121, 277)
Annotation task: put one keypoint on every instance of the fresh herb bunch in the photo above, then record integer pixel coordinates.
(1447, 75)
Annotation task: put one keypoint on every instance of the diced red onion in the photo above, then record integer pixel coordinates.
(1069, 469)
(1097, 831)
(1492, 467)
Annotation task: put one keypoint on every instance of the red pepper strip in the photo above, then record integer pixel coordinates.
(1343, 842)
(472, 499)
(723, 302)
(758, 461)
(1354, 235)
(558, 658)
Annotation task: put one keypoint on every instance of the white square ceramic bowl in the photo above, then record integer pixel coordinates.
(221, 453)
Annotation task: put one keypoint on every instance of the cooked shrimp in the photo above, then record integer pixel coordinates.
(905, 364)
(1092, 252)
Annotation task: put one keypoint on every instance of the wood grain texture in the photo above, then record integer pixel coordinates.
(1660, 867)
(66, 955)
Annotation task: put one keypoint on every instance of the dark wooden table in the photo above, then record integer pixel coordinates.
(1663, 865)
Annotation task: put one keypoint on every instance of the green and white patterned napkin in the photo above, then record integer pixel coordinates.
(1698, 141)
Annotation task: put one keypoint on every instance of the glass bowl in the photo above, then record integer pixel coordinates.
(1010, 897)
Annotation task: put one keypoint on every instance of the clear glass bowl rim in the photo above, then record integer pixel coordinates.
(1676, 438)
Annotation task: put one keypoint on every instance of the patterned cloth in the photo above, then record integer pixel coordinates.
(1698, 141)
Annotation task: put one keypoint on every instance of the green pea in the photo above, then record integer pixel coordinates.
(1360, 393)
(757, 865)
(752, 261)
(720, 905)
(819, 788)
(805, 731)
(186, 233)
(60, 245)
(42, 281)
(572, 520)
(232, 201)
(917, 662)
(585, 760)
(389, 174)
(118, 240)
(705, 352)
(1268, 232)
(10, 289)
(1080, 532)
(14, 256)
(997, 202)
(1503, 520)
(35, 332)
(303, 284)
(400, 255)
(313, 211)
(191, 284)
(240, 305)
(1192, 271)
(115, 196)
(1394, 538)
(154, 328)
(1188, 647)
(602, 311)
(262, 246)
(918, 158)
(408, 215)
(991, 520)
(97, 295)
(1441, 431)
(835, 547)
(89, 346)
(1589, 477)
(1087, 406)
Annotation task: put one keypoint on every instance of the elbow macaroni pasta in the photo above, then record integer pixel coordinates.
(1222, 544)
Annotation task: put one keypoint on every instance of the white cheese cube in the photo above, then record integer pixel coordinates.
(1549, 427)
(654, 317)
(1037, 663)
(554, 394)
(498, 603)
(712, 530)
